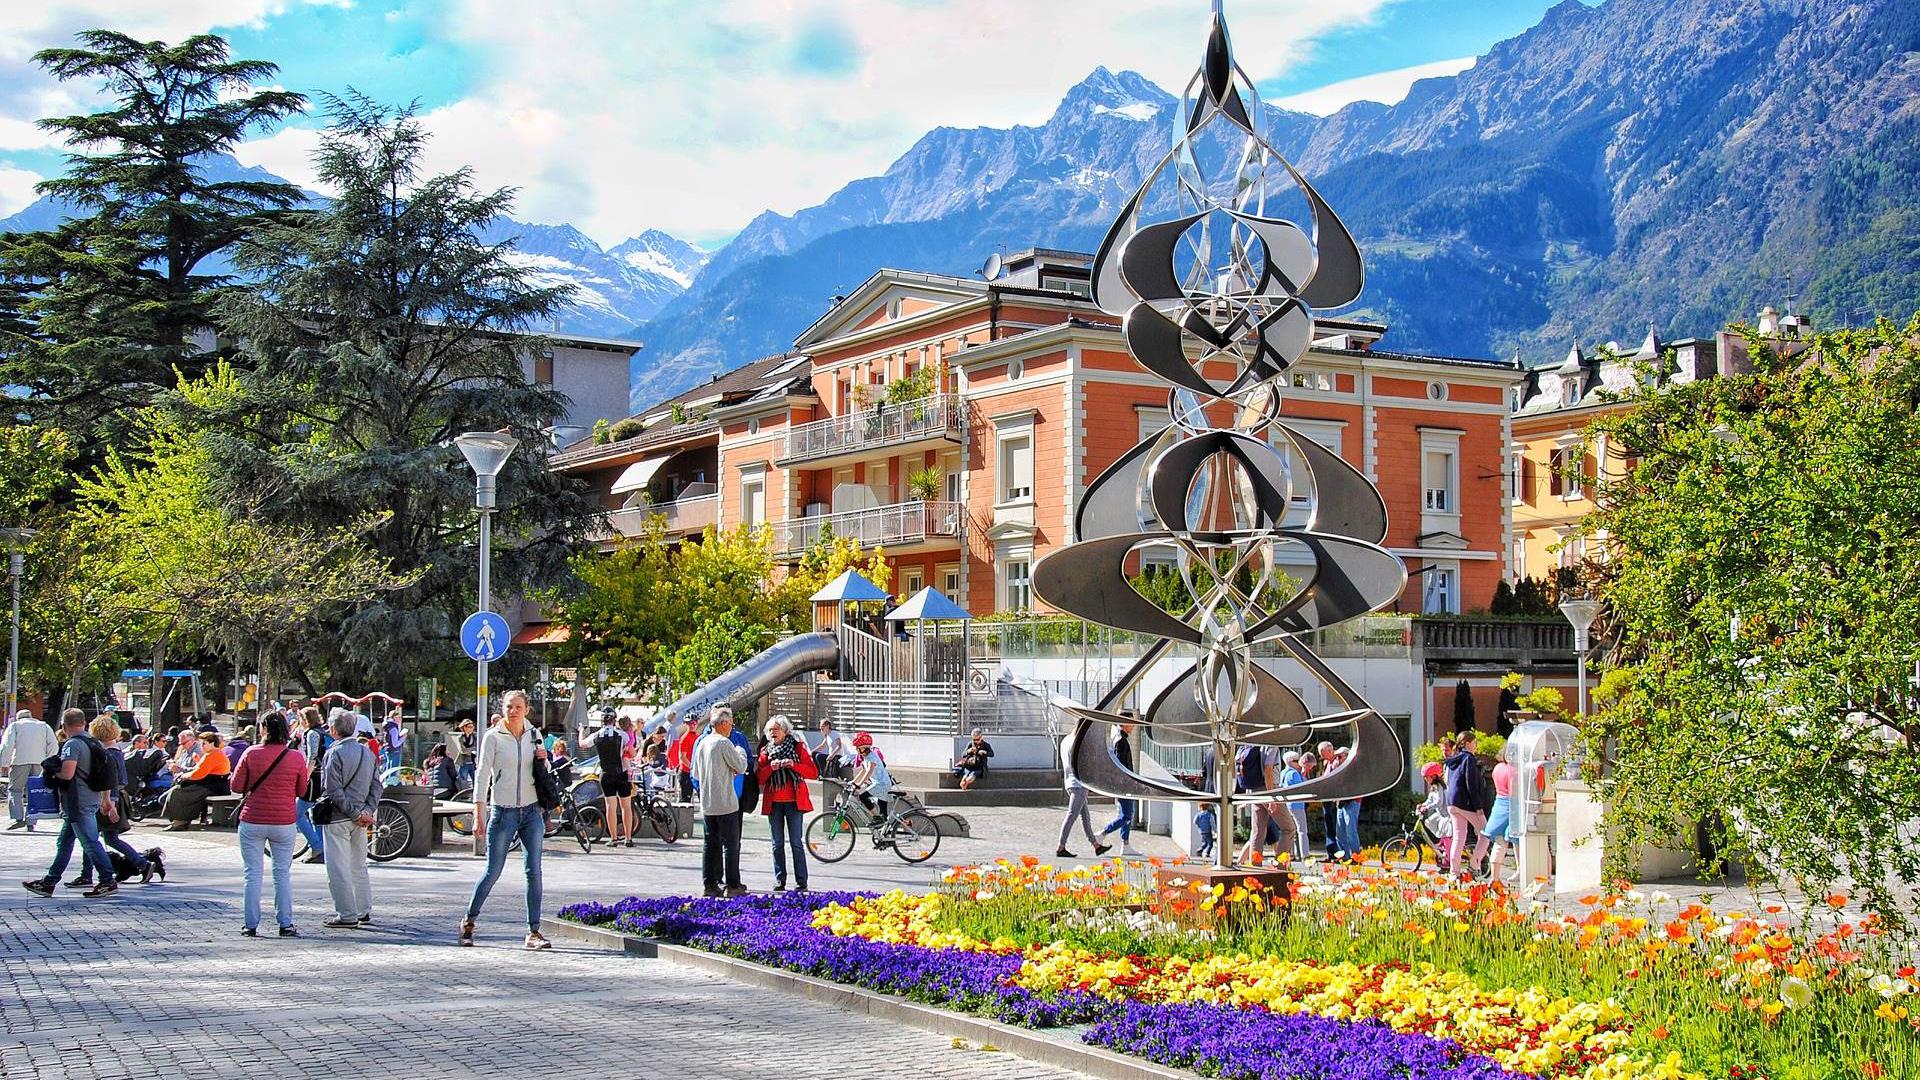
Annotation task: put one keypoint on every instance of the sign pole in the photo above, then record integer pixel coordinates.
(487, 453)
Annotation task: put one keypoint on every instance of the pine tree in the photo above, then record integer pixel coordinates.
(101, 312)
(380, 327)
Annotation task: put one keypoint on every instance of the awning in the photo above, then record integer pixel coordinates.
(849, 587)
(542, 634)
(639, 474)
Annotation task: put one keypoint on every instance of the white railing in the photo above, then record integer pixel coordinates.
(880, 426)
(868, 658)
(681, 515)
(899, 708)
(899, 523)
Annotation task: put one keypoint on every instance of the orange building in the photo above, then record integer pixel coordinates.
(956, 422)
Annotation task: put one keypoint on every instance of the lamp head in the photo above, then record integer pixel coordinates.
(486, 451)
(1581, 613)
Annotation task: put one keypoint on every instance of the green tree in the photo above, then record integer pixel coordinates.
(33, 466)
(1763, 587)
(382, 327)
(719, 644)
(104, 310)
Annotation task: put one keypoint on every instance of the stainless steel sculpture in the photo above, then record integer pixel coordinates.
(1216, 290)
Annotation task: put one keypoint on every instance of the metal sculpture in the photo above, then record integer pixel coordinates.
(1216, 291)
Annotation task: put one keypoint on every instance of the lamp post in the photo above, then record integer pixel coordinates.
(487, 452)
(1581, 614)
(16, 564)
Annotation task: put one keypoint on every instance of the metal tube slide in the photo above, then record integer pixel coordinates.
(753, 680)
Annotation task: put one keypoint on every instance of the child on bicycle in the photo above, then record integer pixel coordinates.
(1432, 812)
(871, 783)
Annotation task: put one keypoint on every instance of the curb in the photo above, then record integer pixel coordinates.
(1036, 1046)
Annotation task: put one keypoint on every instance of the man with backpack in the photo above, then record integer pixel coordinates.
(84, 776)
(1469, 797)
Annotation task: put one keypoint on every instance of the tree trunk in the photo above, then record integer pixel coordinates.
(156, 720)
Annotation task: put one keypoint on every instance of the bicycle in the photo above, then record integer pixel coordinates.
(651, 805)
(387, 837)
(586, 822)
(910, 831)
(1409, 848)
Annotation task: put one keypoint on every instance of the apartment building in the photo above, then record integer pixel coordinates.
(956, 422)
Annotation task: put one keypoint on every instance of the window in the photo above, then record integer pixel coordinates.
(1570, 474)
(1015, 369)
(753, 426)
(753, 500)
(1441, 591)
(912, 581)
(1017, 585)
(1570, 391)
(543, 369)
(1436, 481)
(1517, 476)
(950, 581)
(1436, 391)
(1016, 468)
(1152, 420)
(1557, 472)
(1519, 558)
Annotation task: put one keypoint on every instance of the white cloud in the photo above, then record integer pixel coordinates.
(286, 153)
(1386, 87)
(619, 117)
(16, 189)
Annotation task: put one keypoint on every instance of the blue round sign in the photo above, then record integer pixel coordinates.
(484, 636)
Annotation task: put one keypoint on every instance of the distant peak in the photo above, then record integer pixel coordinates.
(1112, 91)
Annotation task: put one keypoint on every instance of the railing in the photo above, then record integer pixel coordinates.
(867, 658)
(880, 426)
(899, 523)
(1367, 637)
(1495, 638)
(681, 515)
(899, 708)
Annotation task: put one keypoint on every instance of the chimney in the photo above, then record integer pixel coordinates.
(1769, 325)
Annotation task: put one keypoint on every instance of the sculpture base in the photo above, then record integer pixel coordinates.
(1183, 890)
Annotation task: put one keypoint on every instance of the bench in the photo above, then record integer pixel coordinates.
(221, 808)
(445, 810)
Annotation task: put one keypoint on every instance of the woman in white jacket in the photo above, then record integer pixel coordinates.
(504, 797)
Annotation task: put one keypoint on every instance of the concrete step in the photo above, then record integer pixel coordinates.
(985, 796)
(995, 778)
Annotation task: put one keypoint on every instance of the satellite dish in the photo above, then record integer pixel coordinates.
(991, 268)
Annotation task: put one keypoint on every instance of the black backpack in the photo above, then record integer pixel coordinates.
(1253, 770)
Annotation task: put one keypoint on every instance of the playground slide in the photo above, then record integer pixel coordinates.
(754, 679)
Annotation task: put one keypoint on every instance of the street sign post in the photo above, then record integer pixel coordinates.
(484, 636)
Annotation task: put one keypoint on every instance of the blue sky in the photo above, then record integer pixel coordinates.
(695, 115)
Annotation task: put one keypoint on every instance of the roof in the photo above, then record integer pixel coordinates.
(777, 373)
(849, 587)
(928, 603)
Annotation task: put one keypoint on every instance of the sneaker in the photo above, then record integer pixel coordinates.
(288, 931)
(365, 919)
(178, 826)
(1101, 849)
(158, 860)
(80, 883)
(38, 887)
(314, 857)
(466, 932)
(536, 941)
(338, 923)
(1130, 851)
(1063, 853)
(21, 824)
(779, 886)
(105, 888)
(146, 874)
(738, 890)
(248, 931)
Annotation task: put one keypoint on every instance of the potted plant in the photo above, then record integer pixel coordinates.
(927, 484)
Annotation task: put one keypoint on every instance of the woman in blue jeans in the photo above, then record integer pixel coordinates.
(784, 770)
(504, 797)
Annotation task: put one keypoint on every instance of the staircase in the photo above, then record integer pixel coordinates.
(1000, 787)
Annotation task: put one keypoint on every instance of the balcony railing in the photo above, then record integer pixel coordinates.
(881, 426)
(1512, 641)
(681, 516)
(893, 525)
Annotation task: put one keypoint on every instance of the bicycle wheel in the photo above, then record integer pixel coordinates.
(588, 826)
(1403, 852)
(916, 836)
(665, 823)
(390, 833)
(830, 836)
(553, 821)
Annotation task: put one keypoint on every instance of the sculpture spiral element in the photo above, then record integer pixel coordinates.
(1216, 291)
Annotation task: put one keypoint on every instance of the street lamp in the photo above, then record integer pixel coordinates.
(16, 564)
(1581, 614)
(487, 452)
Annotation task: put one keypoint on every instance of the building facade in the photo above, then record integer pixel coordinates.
(956, 422)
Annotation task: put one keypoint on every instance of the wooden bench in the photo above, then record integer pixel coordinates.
(445, 810)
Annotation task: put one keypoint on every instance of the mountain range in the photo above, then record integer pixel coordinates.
(1673, 164)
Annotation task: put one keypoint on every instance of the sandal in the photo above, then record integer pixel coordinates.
(466, 932)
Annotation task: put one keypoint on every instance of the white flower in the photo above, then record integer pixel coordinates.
(1883, 985)
(1635, 896)
(1795, 992)
(1662, 898)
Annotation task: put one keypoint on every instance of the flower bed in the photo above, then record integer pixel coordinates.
(1377, 975)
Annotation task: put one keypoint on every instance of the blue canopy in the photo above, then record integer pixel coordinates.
(928, 603)
(849, 588)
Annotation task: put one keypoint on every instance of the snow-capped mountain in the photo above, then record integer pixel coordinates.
(614, 289)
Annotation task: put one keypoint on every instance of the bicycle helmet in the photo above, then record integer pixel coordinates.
(862, 741)
(1433, 771)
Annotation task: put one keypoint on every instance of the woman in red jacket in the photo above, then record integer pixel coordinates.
(271, 776)
(785, 768)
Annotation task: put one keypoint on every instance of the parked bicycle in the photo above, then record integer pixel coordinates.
(387, 838)
(910, 831)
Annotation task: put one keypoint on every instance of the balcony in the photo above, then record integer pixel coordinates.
(1514, 642)
(680, 517)
(939, 418)
(895, 526)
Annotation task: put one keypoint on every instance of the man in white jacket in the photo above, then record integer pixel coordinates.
(716, 761)
(26, 742)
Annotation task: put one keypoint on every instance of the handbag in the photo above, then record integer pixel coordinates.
(546, 787)
(324, 811)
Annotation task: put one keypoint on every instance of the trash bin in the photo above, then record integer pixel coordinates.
(417, 801)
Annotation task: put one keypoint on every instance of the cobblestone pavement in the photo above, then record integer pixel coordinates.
(157, 981)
